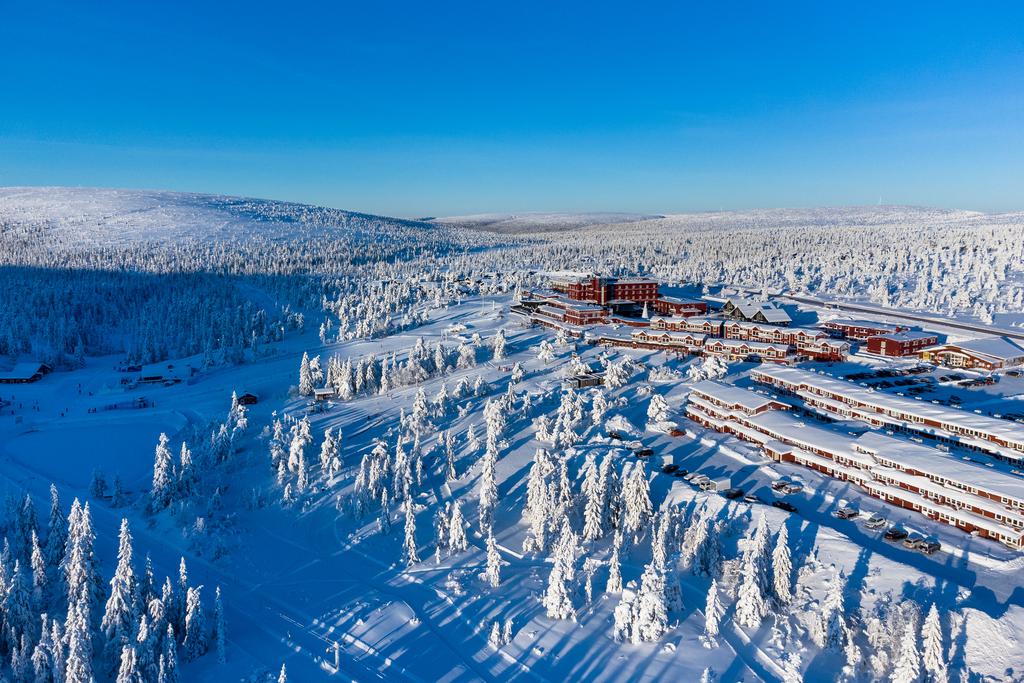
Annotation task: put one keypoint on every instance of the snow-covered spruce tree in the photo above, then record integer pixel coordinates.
(121, 613)
(908, 664)
(782, 569)
(657, 410)
(615, 567)
(38, 568)
(598, 407)
(195, 625)
(934, 655)
(636, 500)
(128, 671)
(162, 490)
(624, 618)
(56, 537)
(557, 602)
(833, 615)
(536, 509)
(410, 555)
(751, 607)
(712, 615)
(492, 572)
(457, 541)
(488, 491)
(651, 619)
(499, 345)
(219, 632)
(330, 463)
(305, 376)
(594, 499)
(517, 374)
(78, 667)
(545, 351)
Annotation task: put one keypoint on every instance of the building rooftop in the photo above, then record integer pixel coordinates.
(733, 396)
(920, 410)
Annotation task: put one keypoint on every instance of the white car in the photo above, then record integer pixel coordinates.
(875, 521)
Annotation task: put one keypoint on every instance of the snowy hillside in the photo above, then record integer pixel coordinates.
(101, 218)
(353, 458)
(538, 222)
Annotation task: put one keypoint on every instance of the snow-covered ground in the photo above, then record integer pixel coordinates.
(313, 560)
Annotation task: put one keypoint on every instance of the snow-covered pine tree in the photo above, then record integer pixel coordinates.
(78, 667)
(594, 499)
(499, 345)
(128, 671)
(782, 569)
(750, 603)
(557, 602)
(488, 491)
(651, 620)
(712, 615)
(615, 567)
(457, 541)
(121, 613)
(410, 554)
(934, 654)
(636, 500)
(833, 615)
(195, 625)
(908, 664)
(219, 633)
(492, 572)
(162, 489)
(305, 376)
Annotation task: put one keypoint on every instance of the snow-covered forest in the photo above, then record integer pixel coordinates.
(410, 492)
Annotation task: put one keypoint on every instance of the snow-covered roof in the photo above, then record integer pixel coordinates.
(897, 406)
(785, 427)
(23, 371)
(909, 335)
(996, 348)
(939, 464)
(732, 396)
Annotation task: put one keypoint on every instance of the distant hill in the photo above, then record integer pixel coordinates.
(105, 217)
(512, 223)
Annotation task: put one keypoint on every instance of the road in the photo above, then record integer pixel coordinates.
(900, 315)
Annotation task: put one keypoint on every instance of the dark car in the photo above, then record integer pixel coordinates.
(783, 505)
(615, 435)
(643, 452)
(929, 547)
(894, 533)
(669, 469)
(733, 494)
(681, 473)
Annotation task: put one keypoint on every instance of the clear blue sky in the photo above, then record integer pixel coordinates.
(434, 108)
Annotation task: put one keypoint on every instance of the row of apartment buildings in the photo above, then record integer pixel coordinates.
(913, 476)
(1000, 438)
(733, 339)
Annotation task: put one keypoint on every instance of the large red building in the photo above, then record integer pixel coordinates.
(900, 343)
(860, 329)
(603, 290)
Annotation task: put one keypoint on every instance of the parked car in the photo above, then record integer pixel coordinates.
(910, 542)
(792, 487)
(615, 435)
(700, 480)
(783, 505)
(779, 485)
(875, 521)
(669, 469)
(928, 547)
(846, 513)
(733, 494)
(894, 533)
(681, 473)
(690, 476)
(751, 498)
(643, 452)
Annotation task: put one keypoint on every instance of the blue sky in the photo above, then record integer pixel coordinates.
(422, 108)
